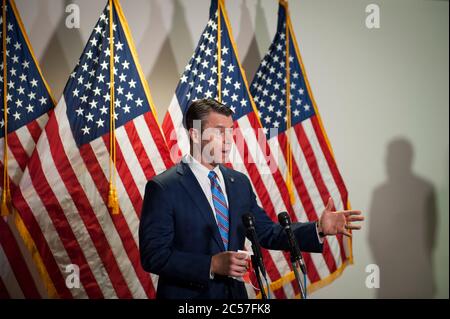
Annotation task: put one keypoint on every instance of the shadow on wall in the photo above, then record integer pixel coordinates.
(164, 76)
(402, 227)
(62, 51)
(253, 57)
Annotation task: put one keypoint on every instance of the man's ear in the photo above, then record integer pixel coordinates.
(195, 136)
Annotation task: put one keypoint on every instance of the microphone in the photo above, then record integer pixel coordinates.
(249, 223)
(296, 255)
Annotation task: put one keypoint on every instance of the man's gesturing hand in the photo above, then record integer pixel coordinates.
(229, 263)
(333, 223)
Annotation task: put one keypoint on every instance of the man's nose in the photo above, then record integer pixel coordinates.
(228, 137)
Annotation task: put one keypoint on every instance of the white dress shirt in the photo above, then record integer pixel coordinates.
(201, 174)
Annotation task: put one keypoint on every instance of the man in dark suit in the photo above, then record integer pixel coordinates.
(191, 224)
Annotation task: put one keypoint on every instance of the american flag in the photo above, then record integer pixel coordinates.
(314, 172)
(252, 157)
(63, 197)
(28, 100)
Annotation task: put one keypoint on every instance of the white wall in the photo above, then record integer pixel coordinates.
(371, 87)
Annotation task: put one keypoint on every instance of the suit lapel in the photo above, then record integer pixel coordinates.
(195, 192)
(233, 215)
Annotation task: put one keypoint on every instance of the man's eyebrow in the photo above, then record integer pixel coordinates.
(223, 126)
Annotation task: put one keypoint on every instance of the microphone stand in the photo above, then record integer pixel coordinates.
(257, 261)
(295, 266)
(258, 277)
(296, 255)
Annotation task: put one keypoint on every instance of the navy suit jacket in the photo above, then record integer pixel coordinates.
(178, 233)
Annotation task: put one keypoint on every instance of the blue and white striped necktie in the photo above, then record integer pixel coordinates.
(220, 207)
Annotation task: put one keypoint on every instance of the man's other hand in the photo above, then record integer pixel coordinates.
(229, 263)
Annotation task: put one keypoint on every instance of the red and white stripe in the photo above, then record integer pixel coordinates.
(63, 197)
(18, 274)
(316, 178)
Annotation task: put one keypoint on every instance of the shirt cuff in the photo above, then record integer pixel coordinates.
(317, 232)
(211, 274)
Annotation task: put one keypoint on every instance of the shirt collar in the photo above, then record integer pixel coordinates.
(197, 166)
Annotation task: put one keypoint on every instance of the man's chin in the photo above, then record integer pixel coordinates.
(215, 160)
(224, 159)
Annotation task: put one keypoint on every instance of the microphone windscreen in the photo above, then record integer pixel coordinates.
(248, 220)
(284, 219)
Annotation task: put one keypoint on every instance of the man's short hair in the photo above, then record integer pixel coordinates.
(200, 109)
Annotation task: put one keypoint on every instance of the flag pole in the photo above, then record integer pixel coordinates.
(113, 202)
(219, 50)
(6, 193)
(289, 181)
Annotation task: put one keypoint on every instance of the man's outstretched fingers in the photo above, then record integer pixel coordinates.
(350, 212)
(357, 227)
(355, 218)
(346, 233)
